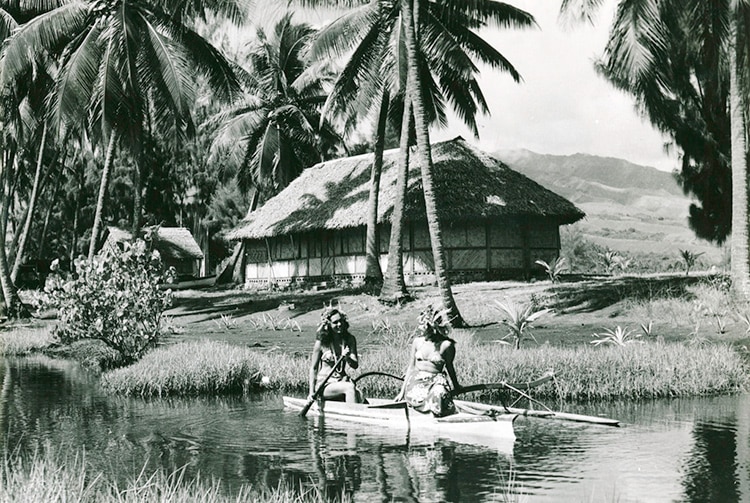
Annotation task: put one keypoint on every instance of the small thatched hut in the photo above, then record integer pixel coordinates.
(176, 246)
(496, 222)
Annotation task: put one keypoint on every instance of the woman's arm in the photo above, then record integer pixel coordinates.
(409, 367)
(314, 366)
(350, 350)
(448, 351)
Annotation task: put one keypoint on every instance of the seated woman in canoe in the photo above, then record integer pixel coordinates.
(426, 387)
(332, 342)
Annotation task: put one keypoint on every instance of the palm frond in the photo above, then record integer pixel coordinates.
(185, 11)
(338, 37)
(44, 32)
(77, 78)
(205, 58)
(495, 13)
(579, 10)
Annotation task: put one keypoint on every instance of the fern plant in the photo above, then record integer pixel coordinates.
(689, 259)
(617, 337)
(556, 269)
(518, 317)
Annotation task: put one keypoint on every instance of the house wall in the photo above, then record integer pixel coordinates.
(474, 251)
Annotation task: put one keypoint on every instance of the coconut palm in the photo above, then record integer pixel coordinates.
(376, 71)
(415, 30)
(683, 60)
(10, 123)
(277, 131)
(123, 65)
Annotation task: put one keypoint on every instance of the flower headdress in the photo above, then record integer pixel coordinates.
(328, 311)
(434, 323)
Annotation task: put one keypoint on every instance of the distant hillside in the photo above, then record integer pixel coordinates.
(628, 207)
(584, 178)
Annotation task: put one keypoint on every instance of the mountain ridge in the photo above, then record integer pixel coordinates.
(629, 208)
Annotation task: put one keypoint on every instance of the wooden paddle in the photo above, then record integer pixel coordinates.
(322, 386)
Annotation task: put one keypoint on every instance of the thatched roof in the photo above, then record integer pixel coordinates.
(469, 184)
(172, 242)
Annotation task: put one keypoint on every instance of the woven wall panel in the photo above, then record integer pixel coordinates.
(506, 259)
(467, 259)
(422, 262)
(506, 234)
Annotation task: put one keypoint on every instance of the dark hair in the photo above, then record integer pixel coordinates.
(324, 333)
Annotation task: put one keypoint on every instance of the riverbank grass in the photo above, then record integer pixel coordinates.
(634, 371)
(25, 339)
(48, 478)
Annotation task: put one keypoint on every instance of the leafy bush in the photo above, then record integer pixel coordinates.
(115, 298)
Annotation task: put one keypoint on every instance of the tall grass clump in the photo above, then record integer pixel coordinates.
(634, 371)
(23, 340)
(50, 478)
(700, 302)
(207, 367)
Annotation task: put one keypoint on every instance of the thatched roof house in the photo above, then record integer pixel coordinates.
(495, 220)
(176, 246)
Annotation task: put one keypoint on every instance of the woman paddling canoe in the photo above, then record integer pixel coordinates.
(426, 387)
(333, 342)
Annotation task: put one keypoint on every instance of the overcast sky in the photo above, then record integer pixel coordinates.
(562, 106)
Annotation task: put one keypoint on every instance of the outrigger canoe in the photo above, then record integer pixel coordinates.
(461, 427)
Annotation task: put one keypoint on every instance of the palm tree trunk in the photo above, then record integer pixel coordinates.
(106, 173)
(373, 274)
(394, 286)
(76, 216)
(740, 268)
(21, 250)
(424, 155)
(47, 216)
(137, 197)
(15, 309)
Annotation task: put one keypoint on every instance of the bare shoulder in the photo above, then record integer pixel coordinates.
(447, 345)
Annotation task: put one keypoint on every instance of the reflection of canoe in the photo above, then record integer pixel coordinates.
(461, 427)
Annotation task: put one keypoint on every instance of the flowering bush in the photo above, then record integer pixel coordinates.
(114, 298)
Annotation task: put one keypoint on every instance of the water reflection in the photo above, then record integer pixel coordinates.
(677, 450)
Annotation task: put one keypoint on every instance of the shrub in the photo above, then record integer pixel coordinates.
(115, 298)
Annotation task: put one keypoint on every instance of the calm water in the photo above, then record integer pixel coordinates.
(679, 450)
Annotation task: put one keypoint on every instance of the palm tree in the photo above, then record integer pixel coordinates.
(685, 61)
(123, 64)
(277, 131)
(377, 69)
(11, 126)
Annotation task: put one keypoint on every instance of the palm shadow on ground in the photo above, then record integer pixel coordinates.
(591, 296)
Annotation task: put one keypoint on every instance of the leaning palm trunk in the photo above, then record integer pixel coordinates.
(13, 306)
(739, 246)
(106, 172)
(373, 274)
(424, 156)
(137, 197)
(394, 286)
(76, 216)
(21, 250)
(48, 215)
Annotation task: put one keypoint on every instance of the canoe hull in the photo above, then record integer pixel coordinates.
(461, 427)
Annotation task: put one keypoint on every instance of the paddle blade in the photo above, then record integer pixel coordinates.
(310, 402)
